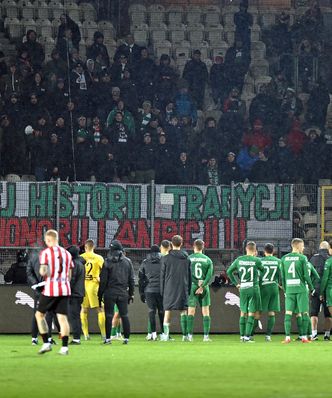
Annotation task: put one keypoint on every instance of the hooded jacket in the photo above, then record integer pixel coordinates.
(318, 261)
(117, 276)
(149, 274)
(77, 283)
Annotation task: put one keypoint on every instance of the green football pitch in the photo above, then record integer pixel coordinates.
(223, 368)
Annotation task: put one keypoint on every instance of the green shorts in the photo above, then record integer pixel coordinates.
(328, 296)
(250, 300)
(297, 302)
(116, 309)
(270, 297)
(204, 299)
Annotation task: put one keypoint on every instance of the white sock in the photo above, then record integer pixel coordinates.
(64, 348)
(76, 340)
(288, 337)
(327, 333)
(154, 335)
(314, 332)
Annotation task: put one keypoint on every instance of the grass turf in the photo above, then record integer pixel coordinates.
(223, 368)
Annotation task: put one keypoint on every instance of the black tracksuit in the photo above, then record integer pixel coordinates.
(116, 286)
(175, 280)
(34, 277)
(149, 288)
(17, 273)
(77, 285)
(318, 261)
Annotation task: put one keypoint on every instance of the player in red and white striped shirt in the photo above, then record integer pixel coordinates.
(55, 266)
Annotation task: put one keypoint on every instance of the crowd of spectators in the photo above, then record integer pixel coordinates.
(132, 118)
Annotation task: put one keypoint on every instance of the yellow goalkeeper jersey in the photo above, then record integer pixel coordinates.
(93, 265)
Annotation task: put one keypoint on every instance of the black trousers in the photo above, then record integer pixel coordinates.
(122, 303)
(50, 318)
(75, 316)
(154, 302)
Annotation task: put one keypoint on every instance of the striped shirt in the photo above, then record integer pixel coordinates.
(59, 263)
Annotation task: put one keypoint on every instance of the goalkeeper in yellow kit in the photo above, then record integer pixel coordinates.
(93, 265)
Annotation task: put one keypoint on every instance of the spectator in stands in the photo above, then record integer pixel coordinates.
(80, 83)
(14, 147)
(55, 158)
(164, 161)
(33, 109)
(116, 96)
(217, 80)
(101, 95)
(262, 170)
(246, 159)
(298, 229)
(312, 22)
(38, 86)
(278, 85)
(296, 139)
(144, 74)
(14, 109)
(129, 92)
(24, 63)
(66, 24)
(144, 117)
(196, 74)
(128, 119)
(243, 21)
(264, 107)
(183, 171)
(210, 133)
(185, 106)
(237, 63)
(93, 69)
(83, 150)
(11, 82)
(233, 101)
(281, 158)
(98, 51)
(3, 65)
(129, 49)
(34, 49)
(61, 129)
(145, 161)
(105, 164)
(315, 157)
(96, 130)
(38, 145)
(56, 65)
(281, 35)
(291, 107)
(165, 81)
(230, 126)
(230, 170)
(307, 53)
(258, 137)
(119, 67)
(210, 174)
(317, 104)
(59, 98)
(65, 45)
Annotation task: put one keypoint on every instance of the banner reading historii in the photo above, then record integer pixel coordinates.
(127, 211)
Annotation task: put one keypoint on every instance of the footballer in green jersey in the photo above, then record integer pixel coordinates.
(295, 279)
(326, 284)
(201, 274)
(247, 268)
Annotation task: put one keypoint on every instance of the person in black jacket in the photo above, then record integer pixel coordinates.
(98, 51)
(68, 24)
(175, 284)
(230, 170)
(34, 278)
(17, 273)
(149, 288)
(318, 261)
(117, 286)
(77, 285)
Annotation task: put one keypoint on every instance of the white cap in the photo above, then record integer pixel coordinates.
(28, 130)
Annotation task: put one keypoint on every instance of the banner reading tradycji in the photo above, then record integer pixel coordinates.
(106, 211)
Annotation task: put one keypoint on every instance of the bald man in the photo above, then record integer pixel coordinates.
(318, 261)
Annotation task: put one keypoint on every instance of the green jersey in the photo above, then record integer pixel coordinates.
(314, 276)
(326, 282)
(271, 274)
(247, 268)
(295, 273)
(201, 269)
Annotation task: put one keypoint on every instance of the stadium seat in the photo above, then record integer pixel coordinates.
(211, 15)
(162, 48)
(88, 12)
(156, 13)
(301, 203)
(56, 9)
(182, 53)
(215, 35)
(258, 50)
(89, 28)
(195, 33)
(310, 220)
(28, 24)
(177, 34)
(10, 9)
(44, 27)
(12, 178)
(28, 178)
(228, 19)
(73, 11)
(259, 67)
(141, 36)
(42, 11)
(220, 50)
(175, 15)
(27, 9)
(261, 80)
(158, 34)
(106, 28)
(194, 15)
(14, 27)
(311, 233)
(229, 34)
(267, 19)
(255, 33)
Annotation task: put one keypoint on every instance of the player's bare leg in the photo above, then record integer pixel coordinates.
(101, 321)
(184, 324)
(85, 323)
(270, 325)
(167, 321)
(327, 328)
(257, 317)
(249, 328)
(65, 330)
(206, 323)
(242, 324)
(190, 323)
(43, 330)
(288, 324)
(115, 325)
(314, 327)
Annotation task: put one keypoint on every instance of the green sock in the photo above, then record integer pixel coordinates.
(113, 332)
(206, 325)
(149, 327)
(305, 324)
(309, 328)
(254, 327)
(299, 322)
(166, 329)
(270, 324)
(118, 329)
(190, 324)
(288, 324)
(250, 325)
(242, 324)
(184, 322)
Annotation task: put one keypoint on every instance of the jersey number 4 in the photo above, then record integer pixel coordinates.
(291, 269)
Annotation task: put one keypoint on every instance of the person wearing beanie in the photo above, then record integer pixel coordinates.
(98, 51)
(149, 289)
(117, 286)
